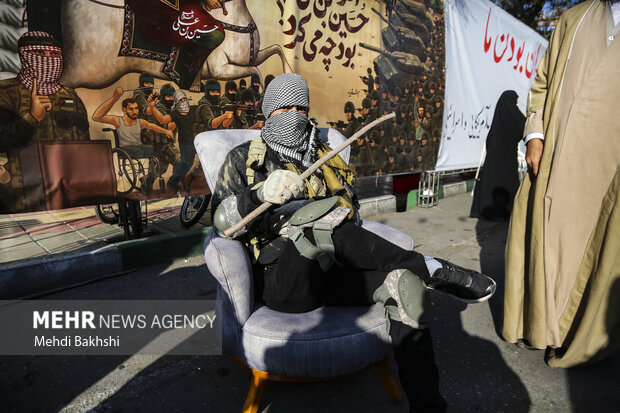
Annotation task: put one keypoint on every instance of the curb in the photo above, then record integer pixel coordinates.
(444, 191)
(36, 276)
(377, 205)
(163, 248)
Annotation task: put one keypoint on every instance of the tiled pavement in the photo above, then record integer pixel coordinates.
(40, 234)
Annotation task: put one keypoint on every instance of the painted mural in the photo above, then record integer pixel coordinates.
(100, 100)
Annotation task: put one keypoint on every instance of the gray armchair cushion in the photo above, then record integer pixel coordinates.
(228, 262)
(326, 342)
(391, 234)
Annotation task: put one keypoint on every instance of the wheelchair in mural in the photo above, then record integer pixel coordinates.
(138, 174)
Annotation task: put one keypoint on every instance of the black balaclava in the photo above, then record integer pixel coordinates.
(255, 84)
(166, 90)
(230, 91)
(143, 79)
(212, 84)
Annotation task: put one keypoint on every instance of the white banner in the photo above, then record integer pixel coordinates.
(487, 52)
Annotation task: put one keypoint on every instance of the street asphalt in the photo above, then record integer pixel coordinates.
(479, 371)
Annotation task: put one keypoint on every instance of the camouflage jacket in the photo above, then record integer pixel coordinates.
(233, 190)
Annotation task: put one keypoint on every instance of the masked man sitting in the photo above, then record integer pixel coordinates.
(309, 249)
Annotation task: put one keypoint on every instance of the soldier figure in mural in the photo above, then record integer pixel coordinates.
(243, 85)
(375, 149)
(353, 124)
(427, 154)
(229, 104)
(374, 102)
(212, 91)
(410, 150)
(230, 92)
(268, 79)
(361, 157)
(182, 117)
(165, 149)
(209, 114)
(366, 112)
(24, 120)
(401, 115)
(368, 80)
(389, 166)
(255, 86)
(254, 117)
(419, 163)
(145, 88)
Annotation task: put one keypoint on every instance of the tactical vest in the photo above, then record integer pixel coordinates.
(337, 177)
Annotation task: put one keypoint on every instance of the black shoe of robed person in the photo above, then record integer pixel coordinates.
(462, 284)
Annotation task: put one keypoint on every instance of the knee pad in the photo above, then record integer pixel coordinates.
(410, 295)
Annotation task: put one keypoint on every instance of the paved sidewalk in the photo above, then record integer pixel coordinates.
(43, 234)
(479, 371)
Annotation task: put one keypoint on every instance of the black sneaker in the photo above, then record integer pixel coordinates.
(464, 285)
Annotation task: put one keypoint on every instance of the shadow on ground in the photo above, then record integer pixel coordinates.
(491, 237)
(474, 375)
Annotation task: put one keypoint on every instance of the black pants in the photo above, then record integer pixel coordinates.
(296, 284)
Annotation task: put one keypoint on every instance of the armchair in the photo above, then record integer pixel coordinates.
(325, 343)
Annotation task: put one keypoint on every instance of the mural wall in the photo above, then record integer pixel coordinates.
(101, 100)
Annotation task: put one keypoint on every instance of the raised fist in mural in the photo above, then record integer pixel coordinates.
(118, 92)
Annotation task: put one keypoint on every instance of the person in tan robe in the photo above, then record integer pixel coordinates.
(562, 255)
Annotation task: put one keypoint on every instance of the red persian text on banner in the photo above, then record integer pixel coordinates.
(505, 47)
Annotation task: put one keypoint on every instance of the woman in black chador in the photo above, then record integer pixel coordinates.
(499, 179)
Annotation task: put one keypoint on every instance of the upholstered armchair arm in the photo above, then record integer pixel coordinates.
(228, 262)
(393, 235)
